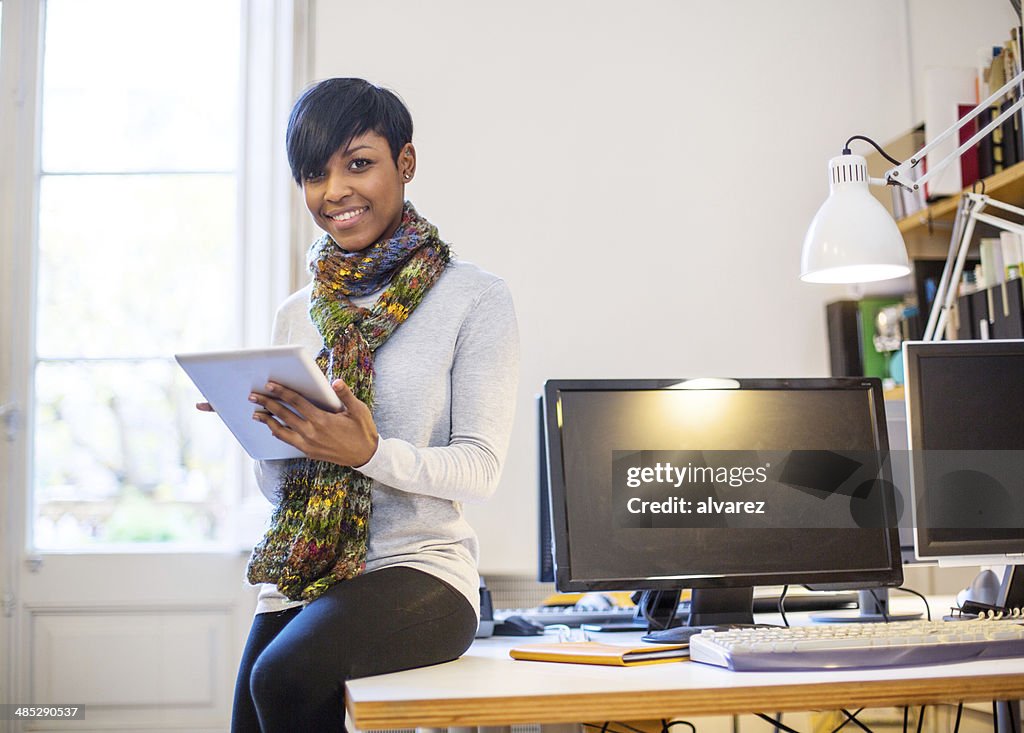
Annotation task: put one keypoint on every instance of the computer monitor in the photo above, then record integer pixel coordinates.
(899, 459)
(965, 410)
(799, 489)
(545, 541)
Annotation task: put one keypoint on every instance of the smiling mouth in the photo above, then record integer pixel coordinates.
(348, 215)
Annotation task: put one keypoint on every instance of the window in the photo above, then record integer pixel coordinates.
(146, 208)
(137, 258)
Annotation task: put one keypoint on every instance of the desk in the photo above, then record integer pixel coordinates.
(488, 688)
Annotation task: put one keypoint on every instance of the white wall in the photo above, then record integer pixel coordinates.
(642, 174)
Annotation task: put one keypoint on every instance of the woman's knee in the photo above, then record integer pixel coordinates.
(278, 678)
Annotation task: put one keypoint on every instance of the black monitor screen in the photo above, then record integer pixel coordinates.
(965, 405)
(668, 484)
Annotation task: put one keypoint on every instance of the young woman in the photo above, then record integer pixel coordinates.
(369, 565)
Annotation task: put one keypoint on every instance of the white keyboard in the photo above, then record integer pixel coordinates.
(858, 645)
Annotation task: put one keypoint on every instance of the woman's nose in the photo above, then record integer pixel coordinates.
(337, 187)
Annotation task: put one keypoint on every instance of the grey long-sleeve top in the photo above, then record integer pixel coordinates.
(445, 398)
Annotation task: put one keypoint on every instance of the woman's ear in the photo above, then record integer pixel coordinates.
(407, 162)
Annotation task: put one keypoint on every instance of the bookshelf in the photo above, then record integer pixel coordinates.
(927, 232)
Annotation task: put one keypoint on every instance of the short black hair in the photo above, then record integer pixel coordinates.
(332, 112)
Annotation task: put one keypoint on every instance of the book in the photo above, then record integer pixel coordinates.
(986, 152)
(1008, 135)
(1013, 254)
(993, 271)
(969, 160)
(996, 77)
(595, 652)
(944, 89)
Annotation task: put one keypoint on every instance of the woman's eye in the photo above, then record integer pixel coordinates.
(359, 164)
(314, 176)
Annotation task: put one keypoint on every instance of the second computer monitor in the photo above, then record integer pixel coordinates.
(965, 409)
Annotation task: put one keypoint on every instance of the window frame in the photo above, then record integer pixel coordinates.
(275, 36)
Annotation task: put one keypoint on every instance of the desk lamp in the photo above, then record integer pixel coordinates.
(853, 238)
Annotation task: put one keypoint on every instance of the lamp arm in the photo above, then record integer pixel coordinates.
(900, 174)
(989, 201)
(1000, 223)
(969, 211)
(945, 299)
(959, 222)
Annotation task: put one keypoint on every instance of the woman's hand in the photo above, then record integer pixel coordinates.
(204, 407)
(348, 437)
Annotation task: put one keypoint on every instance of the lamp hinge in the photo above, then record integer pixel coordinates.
(11, 416)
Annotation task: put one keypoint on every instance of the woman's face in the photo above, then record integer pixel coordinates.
(358, 197)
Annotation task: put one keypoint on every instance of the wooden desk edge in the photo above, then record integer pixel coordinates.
(575, 708)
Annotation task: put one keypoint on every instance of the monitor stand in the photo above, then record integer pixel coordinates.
(709, 607)
(655, 609)
(721, 606)
(873, 608)
(990, 592)
(1011, 589)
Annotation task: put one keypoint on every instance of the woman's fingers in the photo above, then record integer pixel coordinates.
(277, 409)
(348, 437)
(289, 396)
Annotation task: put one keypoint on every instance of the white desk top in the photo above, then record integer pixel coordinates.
(487, 687)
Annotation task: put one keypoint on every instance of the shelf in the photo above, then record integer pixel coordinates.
(927, 232)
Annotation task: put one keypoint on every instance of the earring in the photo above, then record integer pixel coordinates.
(408, 176)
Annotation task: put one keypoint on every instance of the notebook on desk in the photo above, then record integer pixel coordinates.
(593, 652)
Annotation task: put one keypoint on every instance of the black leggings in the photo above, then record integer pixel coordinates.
(295, 664)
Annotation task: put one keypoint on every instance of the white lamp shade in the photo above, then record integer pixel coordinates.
(852, 238)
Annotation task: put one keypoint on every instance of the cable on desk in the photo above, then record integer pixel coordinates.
(841, 725)
(607, 729)
(655, 601)
(920, 719)
(852, 718)
(629, 727)
(959, 712)
(776, 723)
(881, 607)
(666, 724)
(782, 605)
(927, 608)
(906, 712)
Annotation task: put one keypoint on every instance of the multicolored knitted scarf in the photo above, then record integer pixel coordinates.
(319, 531)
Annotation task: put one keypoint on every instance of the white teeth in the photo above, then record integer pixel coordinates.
(348, 214)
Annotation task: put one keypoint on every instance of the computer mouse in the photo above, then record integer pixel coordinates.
(983, 589)
(594, 602)
(518, 626)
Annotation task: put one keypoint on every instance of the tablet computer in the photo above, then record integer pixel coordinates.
(226, 378)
